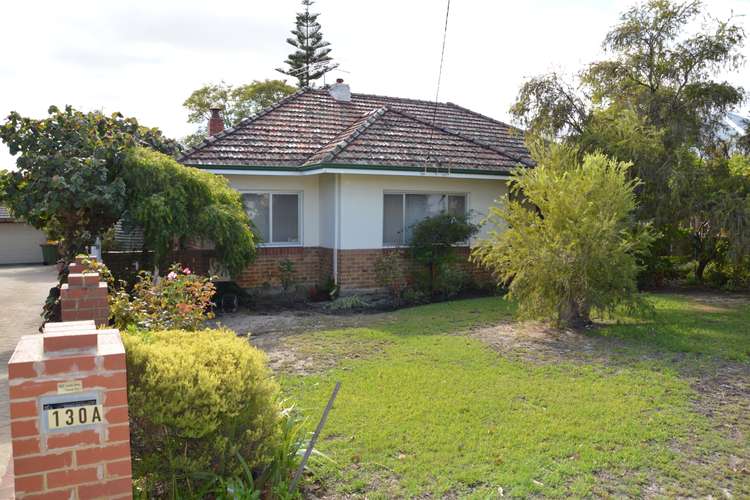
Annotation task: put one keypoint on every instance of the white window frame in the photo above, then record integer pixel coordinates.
(300, 214)
(403, 212)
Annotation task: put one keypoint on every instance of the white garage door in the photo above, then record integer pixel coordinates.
(19, 244)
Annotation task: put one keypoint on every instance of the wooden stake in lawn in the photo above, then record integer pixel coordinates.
(314, 438)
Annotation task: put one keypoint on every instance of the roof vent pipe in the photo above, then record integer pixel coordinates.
(340, 91)
(216, 122)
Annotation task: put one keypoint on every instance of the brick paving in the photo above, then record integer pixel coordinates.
(23, 290)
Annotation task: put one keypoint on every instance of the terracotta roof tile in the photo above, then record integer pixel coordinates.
(310, 128)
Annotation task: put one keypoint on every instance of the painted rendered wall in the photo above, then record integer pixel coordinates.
(19, 244)
(327, 187)
(308, 185)
(362, 202)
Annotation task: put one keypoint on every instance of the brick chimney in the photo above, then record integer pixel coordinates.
(216, 122)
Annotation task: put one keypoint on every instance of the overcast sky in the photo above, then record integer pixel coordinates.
(143, 58)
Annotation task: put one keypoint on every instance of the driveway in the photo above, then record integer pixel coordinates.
(23, 290)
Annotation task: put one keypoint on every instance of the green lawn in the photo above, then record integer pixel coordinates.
(424, 409)
(704, 324)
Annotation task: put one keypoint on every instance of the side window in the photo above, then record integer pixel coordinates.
(276, 216)
(402, 210)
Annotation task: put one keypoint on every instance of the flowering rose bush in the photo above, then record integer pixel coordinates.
(181, 300)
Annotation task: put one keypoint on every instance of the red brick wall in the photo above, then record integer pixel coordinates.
(357, 267)
(91, 461)
(84, 296)
(82, 462)
(312, 265)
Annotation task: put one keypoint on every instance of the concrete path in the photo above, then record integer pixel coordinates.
(23, 290)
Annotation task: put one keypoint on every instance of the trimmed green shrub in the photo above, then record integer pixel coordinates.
(198, 401)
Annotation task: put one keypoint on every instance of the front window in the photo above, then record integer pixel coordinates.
(276, 216)
(401, 211)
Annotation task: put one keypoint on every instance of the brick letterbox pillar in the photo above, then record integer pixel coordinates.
(69, 414)
(84, 296)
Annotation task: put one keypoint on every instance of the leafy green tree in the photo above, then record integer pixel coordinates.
(307, 62)
(625, 135)
(655, 68)
(175, 204)
(69, 172)
(667, 74)
(714, 204)
(551, 107)
(79, 173)
(565, 239)
(658, 80)
(237, 103)
(744, 141)
(654, 98)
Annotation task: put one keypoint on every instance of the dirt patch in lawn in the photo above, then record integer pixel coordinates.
(320, 351)
(267, 330)
(295, 342)
(541, 343)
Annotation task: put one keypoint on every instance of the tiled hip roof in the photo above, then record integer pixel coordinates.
(310, 129)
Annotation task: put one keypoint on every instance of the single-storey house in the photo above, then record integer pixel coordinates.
(332, 179)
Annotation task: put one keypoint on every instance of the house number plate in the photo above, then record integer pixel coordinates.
(73, 414)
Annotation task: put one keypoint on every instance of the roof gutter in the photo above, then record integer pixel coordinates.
(350, 169)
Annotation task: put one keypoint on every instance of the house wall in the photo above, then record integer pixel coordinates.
(362, 202)
(326, 214)
(362, 219)
(309, 187)
(361, 222)
(313, 265)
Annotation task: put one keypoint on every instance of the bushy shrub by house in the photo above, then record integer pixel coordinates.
(390, 274)
(180, 300)
(198, 401)
(433, 247)
(567, 243)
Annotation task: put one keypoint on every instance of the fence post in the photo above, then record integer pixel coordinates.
(69, 403)
(84, 296)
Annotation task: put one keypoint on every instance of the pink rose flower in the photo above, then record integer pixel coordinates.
(172, 275)
(186, 270)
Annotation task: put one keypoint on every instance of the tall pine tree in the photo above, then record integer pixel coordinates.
(305, 62)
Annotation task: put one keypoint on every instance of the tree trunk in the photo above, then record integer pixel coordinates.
(700, 268)
(574, 315)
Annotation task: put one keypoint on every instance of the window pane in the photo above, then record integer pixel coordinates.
(457, 205)
(285, 218)
(393, 219)
(421, 206)
(257, 208)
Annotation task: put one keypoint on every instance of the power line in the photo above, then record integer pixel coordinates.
(437, 89)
